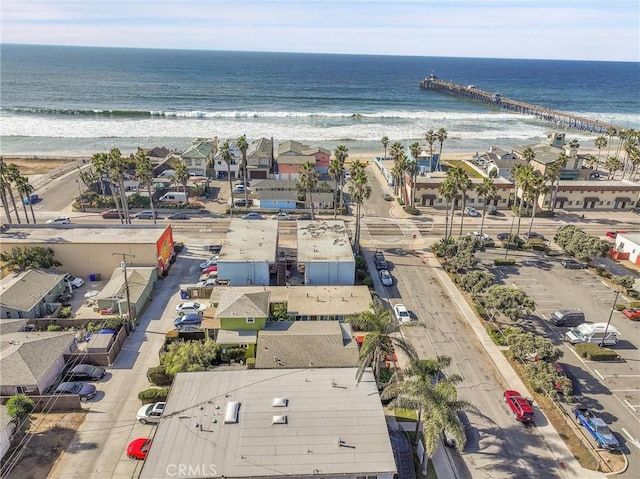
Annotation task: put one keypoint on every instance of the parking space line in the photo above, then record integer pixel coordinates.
(628, 435)
(630, 406)
(598, 374)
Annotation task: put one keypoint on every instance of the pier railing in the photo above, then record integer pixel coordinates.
(472, 93)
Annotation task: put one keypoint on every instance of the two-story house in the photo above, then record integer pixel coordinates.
(260, 159)
(199, 156)
(30, 294)
(292, 155)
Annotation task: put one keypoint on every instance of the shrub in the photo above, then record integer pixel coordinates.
(250, 352)
(65, 312)
(361, 262)
(619, 307)
(19, 406)
(385, 375)
(153, 395)
(593, 352)
(54, 327)
(496, 336)
(251, 363)
(504, 262)
(158, 375)
(412, 210)
(361, 274)
(634, 304)
(367, 281)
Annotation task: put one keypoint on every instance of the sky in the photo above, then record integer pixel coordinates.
(536, 29)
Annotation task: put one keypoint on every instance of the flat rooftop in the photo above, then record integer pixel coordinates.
(250, 240)
(326, 424)
(324, 240)
(81, 233)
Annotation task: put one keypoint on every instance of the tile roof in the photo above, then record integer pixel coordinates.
(233, 304)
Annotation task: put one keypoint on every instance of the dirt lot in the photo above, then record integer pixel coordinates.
(49, 435)
(36, 166)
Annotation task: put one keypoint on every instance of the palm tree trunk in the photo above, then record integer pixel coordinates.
(230, 189)
(335, 204)
(446, 220)
(153, 208)
(484, 214)
(519, 214)
(357, 235)
(453, 212)
(115, 200)
(32, 213)
(311, 205)
(5, 204)
(533, 215)
(417, 431)
(464, 202)
(26, 215)
(13, 202)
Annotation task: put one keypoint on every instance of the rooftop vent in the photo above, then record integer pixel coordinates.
(280, 402)
(231, 414)
(279, 420)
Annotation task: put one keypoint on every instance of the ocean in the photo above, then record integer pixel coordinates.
(58, 100)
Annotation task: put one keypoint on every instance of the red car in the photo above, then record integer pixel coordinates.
(521, 406)
(632, 313)
(138, 448)
(110, 215)
(208, 270)
(613, 234)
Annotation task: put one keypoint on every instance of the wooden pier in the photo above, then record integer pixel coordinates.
(559, 118)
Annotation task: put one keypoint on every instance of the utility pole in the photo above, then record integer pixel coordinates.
(123, 265)
(615, 301)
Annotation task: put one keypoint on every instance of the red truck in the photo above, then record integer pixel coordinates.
(520, 405)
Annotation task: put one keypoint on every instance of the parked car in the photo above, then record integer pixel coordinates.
(86, 391)
(281, 216)
(178, 216)
(520, 406)
(471, 211)
(207, 283)
(533, 235)
(213, 261)
(215, 248)
(492, 210)
(187, 319)
(31, 199)
(190, 307)
(85, 372)
(150, 413)
(386, 278)
(110, 215)
(387, 197)
(240, 188)
(597, 428)
(482, 236)
(243, 203)
(146, 215)
(572, 264)
(304, 217)
(380, 261)
(632, 313)
(73, 281)
(138, 448)
(503, 236)
(252, 216)
(613, 234)
(209, 269)
(402, 313)
(208, 276)
(60, 220)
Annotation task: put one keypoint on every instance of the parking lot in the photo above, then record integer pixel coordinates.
(552, 287)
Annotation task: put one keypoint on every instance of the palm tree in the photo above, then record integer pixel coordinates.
(308, 182)
(412, 171)
(385, 143)
(448, 191)
(399, 162)
(99, 163)
(360, 190)
(463, 184)
(25, 190)
(182, 177)
(243, 146)
(485, 190)
(4, 189)
(341, 153)
(600, 143)
(437, 405)
(144, 172)
(612, 164)
(227, 156)
(430, 137)
(11, 175)
(537, 186)
(528, 155)
(117, 167)
(521, 175)
(611, 132)
(378, 342)
(441, 135)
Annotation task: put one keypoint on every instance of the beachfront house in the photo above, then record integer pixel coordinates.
(220, 166)
(260, 159)
(292, 155)
(199, 156)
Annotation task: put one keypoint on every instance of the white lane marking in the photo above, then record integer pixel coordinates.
(630, 406)
(633, 441)
(598, 374)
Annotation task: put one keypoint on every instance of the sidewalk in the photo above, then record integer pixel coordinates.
(567, 463)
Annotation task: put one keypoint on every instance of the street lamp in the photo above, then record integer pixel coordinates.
(79, 189)
(615, 301)
(123, 265)
(506, 251)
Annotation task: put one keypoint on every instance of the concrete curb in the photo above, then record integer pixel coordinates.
(567, 463)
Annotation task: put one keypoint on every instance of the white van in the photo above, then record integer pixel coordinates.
(593, 333)
(173, 197)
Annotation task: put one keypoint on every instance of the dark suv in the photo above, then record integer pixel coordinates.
(379, 261)
(146, 215)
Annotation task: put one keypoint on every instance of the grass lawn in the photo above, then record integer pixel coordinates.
(462, 164)
(405, 415)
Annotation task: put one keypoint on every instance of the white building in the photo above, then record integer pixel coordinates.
(272, 423)
(250, 247)
(627, 246)
(325, 251)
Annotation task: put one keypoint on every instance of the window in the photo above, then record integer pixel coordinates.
(251, 320)
(198, 162)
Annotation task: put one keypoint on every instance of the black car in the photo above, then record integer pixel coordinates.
(85, 372)
(380, 261)
(146, 215)
(572, 264)
(84, 390)
(243, 202)
(178, 216)
(502, 236)
(215, 248)
(533, 235)
(305, 217)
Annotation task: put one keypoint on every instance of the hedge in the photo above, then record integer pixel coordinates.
(504, 262)
(158, 376)
(593, 352)
(153, 395)
(251, 363)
